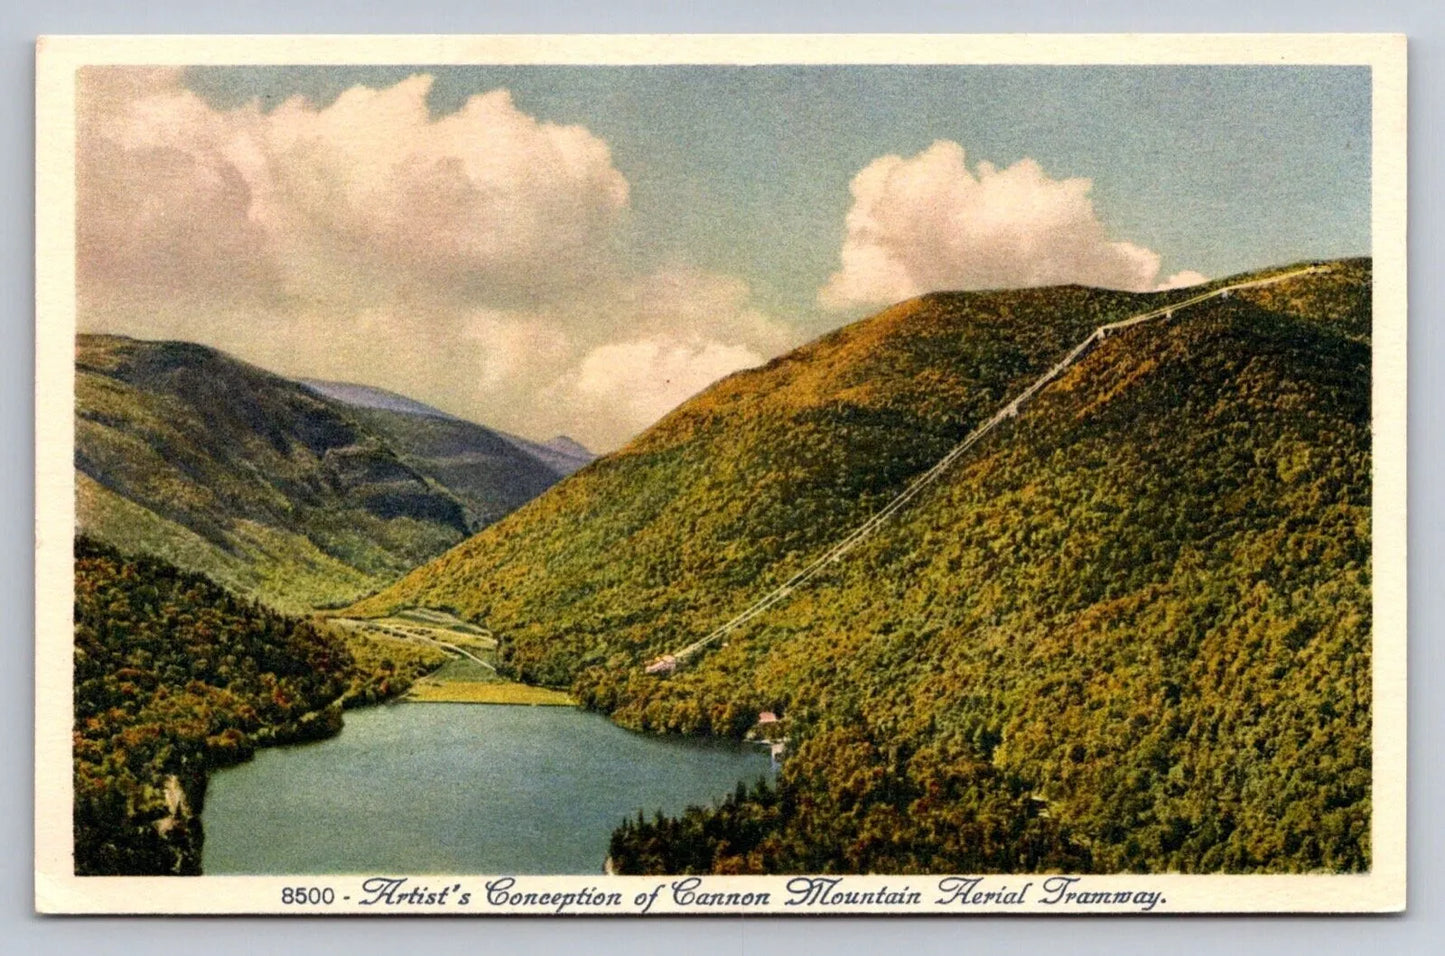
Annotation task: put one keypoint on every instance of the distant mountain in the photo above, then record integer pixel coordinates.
(564, 445)
(569, 450)
(272, 487)
(1129, 630)
(365, 396)
(561, 454)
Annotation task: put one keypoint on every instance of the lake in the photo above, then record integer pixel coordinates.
(457, 788)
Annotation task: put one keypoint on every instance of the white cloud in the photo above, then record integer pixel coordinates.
(164, 216)
(514, 348)
(371, 196)
(646, 378)
(682, 299)
(464, 260)
(1182, 280)
(605, 369)
(928, 223)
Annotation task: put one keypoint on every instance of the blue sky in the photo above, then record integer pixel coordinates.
(745, 170)
(578, 249)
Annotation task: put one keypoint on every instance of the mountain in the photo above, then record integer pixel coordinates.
(492, 472)
(561, 455)
(568, 452)
(1128, 630)
(365, 396)
(175, 676)
(272, 487)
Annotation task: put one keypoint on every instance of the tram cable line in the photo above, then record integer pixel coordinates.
(667, 662)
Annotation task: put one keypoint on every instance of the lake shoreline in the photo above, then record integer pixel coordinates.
(479, 703)
(429, 690)
(504, 788)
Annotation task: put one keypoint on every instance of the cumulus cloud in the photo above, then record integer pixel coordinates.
(929, 223)
(1182, 280)
(467, 259)
(370, 196)
(645, 378)
(636, 349)
(164, 216)
(686, 300)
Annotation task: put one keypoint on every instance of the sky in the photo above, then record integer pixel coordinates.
(576, 250)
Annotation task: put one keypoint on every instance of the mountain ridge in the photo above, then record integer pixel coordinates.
(560, 453)
(269, 486)
(1188, 495)
(370, 396)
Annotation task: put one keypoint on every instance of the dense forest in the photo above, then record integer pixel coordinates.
(175, 676)
(1129, 632)
(270, 487)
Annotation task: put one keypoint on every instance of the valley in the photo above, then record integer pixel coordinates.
(301, 498)
(1038, 579)
(469, 674)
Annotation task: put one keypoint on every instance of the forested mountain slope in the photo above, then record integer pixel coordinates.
(1129, 631)
(269, 487)
(175, 676)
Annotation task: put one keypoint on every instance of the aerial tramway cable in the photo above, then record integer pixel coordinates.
(1009, 410)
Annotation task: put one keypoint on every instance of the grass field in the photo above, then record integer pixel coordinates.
(465, 675)
(431, 691)
(425, 627)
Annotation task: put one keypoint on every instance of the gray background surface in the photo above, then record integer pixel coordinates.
(1422, 930)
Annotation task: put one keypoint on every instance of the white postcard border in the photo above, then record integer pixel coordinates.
(58, 890)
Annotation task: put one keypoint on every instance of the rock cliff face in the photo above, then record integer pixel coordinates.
(178, 852)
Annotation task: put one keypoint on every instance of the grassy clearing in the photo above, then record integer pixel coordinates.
(426, 627)
(440, 620)
(454, 678)
(464, 669)
(432, 691)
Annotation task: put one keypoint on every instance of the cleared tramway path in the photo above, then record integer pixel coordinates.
(918, 484)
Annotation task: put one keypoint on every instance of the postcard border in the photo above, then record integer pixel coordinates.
(58, 890)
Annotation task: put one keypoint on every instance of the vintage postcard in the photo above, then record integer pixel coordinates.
(657, 475)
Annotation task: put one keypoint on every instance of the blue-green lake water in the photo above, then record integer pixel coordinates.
(457, 788)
